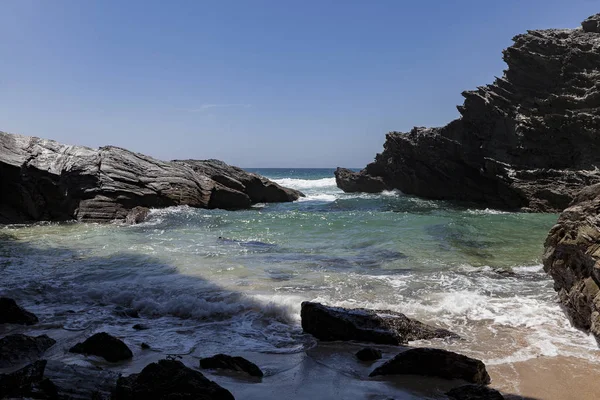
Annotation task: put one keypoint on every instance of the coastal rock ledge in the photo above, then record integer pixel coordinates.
(530, 140)
(42, 180)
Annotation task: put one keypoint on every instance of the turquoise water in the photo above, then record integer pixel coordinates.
(233, 281)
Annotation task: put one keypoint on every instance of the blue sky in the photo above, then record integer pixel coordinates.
(254, 83)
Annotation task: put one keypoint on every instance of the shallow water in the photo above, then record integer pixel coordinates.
(210, 281)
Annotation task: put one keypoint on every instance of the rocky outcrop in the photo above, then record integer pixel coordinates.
(19, 348)
(11, 313)
(103, 345)
(528, 141)
(350, 182)
(435, 362)
(169, 379)
(572, 258)
(28, 382)
(239, 364)
(45, 180)
(375, 326)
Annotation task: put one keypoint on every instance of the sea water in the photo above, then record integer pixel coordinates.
(207, 281)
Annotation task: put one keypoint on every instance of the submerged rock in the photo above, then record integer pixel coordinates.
(435, 362)
(169, 379)
(18, 348)
(223, 361)
(137, 215)
(572, 258)
(103, 345)
(11, 313)
(363, 325)
(368, 354)
(528, 141)
(28, 382)
(474, 392)
(44, 180)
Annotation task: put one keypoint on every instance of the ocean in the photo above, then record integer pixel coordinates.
(215, 281)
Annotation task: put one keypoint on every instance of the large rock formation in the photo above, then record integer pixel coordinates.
(528, 141)
(45, 180)
(572, 258)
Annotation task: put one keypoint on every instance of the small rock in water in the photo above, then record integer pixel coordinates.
(140, 327)
(368, 354)
(137, 215)
(17, 348)
(435, 362)
(28, 382)
(224, 361)
(169, 379)
(11, 313)
(474, 392)
(145, 346)
(127, 312)
(104, 345)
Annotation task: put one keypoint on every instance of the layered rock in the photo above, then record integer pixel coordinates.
(528, 141)
(45, 180)
(572, 258)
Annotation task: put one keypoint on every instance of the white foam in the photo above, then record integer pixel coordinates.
(319, 197)
(306, 183)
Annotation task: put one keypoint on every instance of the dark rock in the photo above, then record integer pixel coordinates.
(528, 141)
(474, 392)
(140, 327)
(592, 24)
(572, 258)
(127, 312)
(376, 326)
(28, 382)
(79, 382)
(224, 361)
(435, 362)
(145, 346)
(350, 182)
(11, 313)
(169, 379)
(137, 215)
(103, 345)
(368, 354)
(45, 180)
(18, 348)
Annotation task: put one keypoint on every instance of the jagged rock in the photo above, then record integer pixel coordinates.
(368, 354)
(572, 258)
(18, 348)
(28, 382)
(223, 361)
(528, 141)
(45, 180)
(435, 362)
(592, 24)
(350, 182)
(11, 313)
(78, 382)
(103, 345)
(375, 326)
(169, 379)
(474, 392)
(137, 215)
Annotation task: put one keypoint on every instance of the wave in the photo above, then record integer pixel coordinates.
(306, 183)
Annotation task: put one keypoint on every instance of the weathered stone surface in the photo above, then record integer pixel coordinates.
(45, 180)
(223, 361)
(103, 345)
(137, 215)
(571, 257)
(11, 313)
(28, 382)
(528, 141)
(350, 182)
(169, 379)
(368, 354)
(18, 348)
(375, 326)
(474, 392)
(79, 382)
(435, 362)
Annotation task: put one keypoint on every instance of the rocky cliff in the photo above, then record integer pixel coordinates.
(530, 140)
(45, 180)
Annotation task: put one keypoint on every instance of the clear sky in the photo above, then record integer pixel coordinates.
(255, 83)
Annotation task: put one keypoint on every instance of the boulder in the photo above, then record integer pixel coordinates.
(19, 348)
(474, 392)
(103, 345)
(223, 361)
(11, 313)
(363, 325)
(81, 382)
(350, 182)
(368, 354)
(28, 382)
(169, 379)
(435, 362)
(137, 215)
(44, 180)
(529, 141)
